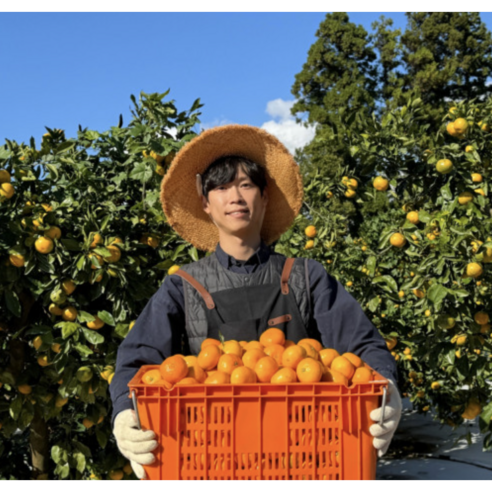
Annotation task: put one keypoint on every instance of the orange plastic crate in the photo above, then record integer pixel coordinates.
(262, 431)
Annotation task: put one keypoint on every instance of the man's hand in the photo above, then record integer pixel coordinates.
(384, 433)
(134, 444)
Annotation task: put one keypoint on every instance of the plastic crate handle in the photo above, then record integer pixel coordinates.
(135, 407)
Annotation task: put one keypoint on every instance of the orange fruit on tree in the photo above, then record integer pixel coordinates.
(271, 336)
(413, 217)
(228, 362)
(309, 371)
(209, 357)
(173, 369)
(327, 355)
(97, 239)
(391, 343)
(187, 381)
(265, 368)
(331, 376)
(153, 376)
(254, 344)
(444, 166)
(460, 126)
(344, 366)
(398, 240)
(6, 191)
(293, 355)
(362, 375)
(218, 377)
(481, 318)
(251, 357)
(44, 245)
(69, 313)
(243, 375)
(465, 197)
(310, 231)
(68, 286)
(477, 177)
(115, 254)
(310, 350)
(356, 360)
(232, 347)
(276, 352)
(316, 345)
(97, 324)
(209, 341)
(380, 183)
(474, 270)
(17, 260)
(472, 410)
(284, 375)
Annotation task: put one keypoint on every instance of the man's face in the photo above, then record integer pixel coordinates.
(237, 208)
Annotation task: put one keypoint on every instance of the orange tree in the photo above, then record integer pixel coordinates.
(83, 246)
(403, 219)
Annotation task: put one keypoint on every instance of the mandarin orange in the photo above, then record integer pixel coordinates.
(362, 375)
(232, 347)
(309, 371)
(197, 372)
(243, 375)
(210, 341)
(355, 359)
(228, 362)
(332, 376)
(327, 355)
(265, 368)
(310, 350)
(187, 381)
(284, 375)
(317, 345)
(271, 336)
(343, 365)
(293, 355)
(255, 344)
(275, 350)
(153, 376)
(252, 356)
(173, 369)
(218, 377)
(209, 357)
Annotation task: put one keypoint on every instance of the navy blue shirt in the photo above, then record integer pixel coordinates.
(340, 320)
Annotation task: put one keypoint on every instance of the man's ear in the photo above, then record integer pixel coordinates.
(205, 205)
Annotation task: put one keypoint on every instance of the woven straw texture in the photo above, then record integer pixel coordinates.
(182, 205)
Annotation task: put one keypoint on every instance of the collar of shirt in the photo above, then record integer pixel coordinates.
(259, 257)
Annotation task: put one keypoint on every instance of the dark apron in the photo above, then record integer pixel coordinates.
(244, 313)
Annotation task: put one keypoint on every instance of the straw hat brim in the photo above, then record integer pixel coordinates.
(183, 207)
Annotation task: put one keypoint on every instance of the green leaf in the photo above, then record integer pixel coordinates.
(16, 407)
(373, 304)
(71, 245)
(102, 438)
(424, 216)
(85, 317)
(142, 172)
(68, 328)
(389, 281)
(13, 304)
(56, 454)
(92, 336)
(80, 459)
(106, 317)
(83, 350)
(446, 193)
(65, 146)
(436, 293)
(82, 448)
(486, 414)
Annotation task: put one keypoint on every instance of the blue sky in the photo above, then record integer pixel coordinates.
(62, 69)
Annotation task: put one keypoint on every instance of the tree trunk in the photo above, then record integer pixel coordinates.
(39, 445)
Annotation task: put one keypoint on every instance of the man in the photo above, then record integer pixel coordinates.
(233, 191)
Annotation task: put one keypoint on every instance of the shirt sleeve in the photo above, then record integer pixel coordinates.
(343, 324)
(156, 335)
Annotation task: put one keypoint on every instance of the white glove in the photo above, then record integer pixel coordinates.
(392, 413)
(134, 444)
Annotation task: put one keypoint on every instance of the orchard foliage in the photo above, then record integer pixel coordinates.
(422, 278)
(83, 246)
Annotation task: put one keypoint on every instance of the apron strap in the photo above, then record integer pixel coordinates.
(209, 302)
(284, 281)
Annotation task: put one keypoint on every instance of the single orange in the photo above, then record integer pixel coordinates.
(310, 350)
(356, 360)
(218, 377)
(265, 368)
(255, 344)
(275, 350)
(209, 357)
(153, 376)
(332, 376)
(362, 375)
(232, 347)
(284, 375)
(317, 346)
(288, 343)
(173, 369)
(293, 355)
(187, 381)
(228, 362)
(243, 344)
(209, 341)
(197, 373)
(252, 356)
(309, 371)
(191, 360)
(271, 336)
(243, 375)
(343, 365)
(327, 355)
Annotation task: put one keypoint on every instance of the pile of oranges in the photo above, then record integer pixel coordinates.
(272, 359)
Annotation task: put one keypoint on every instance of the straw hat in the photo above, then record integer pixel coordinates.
(182, 203)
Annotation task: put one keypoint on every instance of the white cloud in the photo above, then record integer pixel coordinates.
(214, 123)
(283, 125)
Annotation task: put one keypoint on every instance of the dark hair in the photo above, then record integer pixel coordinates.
(224, 170)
